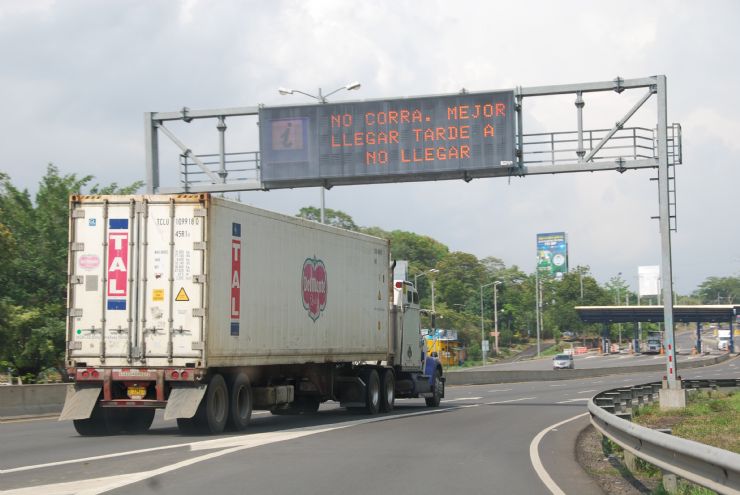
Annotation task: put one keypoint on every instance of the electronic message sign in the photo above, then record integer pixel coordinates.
(410, 139)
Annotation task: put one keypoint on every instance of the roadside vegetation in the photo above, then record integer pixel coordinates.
(33, 275)
(711, 418)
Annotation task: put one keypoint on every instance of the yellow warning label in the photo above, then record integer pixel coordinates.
(157, 295)
(182, 295)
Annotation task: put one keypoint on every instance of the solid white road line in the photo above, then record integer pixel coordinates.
(463, 398)
(573, 400)
(501, 390)
(510, 400)
(586, 391)
(534, 456)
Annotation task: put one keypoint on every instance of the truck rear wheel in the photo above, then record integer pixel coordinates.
(212, 412)
(101, 422)
(240, 402)
(387, 390)
(372, 390)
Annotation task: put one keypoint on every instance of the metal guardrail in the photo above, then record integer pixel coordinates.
(708, 466)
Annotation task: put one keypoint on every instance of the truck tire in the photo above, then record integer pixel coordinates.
(437, 390)
(139, 421)
(101, 422)
(240, 402)
(387, 390)
(212, 413)
(372, 390)
(187, 426)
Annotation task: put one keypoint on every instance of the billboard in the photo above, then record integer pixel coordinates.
(552, 254)
(648, 280)
(409, 139)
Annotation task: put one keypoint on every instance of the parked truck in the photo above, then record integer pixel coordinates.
(210, 308)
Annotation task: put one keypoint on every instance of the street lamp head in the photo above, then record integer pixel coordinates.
(433, 270)
(352, 85)
(497, 282)
(285, 91)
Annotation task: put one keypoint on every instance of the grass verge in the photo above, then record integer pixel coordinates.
(712, 418)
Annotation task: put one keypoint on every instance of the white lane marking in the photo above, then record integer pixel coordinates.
(534, 456)
(586, 391)
(27, 420)
(557, 385)
(600, 381)
(501, 390)
(463, 398)
(510, 400)
(211, 444)
(572, 400)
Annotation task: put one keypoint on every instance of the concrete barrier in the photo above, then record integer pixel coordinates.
(485, 377)
(32, 400)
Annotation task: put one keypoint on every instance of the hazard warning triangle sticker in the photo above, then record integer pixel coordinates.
(182, 295)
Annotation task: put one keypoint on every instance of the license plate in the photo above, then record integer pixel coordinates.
(136, 393)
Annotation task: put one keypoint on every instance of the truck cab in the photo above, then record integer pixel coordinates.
(410, 345)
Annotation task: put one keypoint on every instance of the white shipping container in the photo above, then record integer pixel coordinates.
(199, 281)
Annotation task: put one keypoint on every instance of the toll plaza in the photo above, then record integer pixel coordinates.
(699, 314)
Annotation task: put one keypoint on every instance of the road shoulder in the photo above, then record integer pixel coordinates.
(557, 452)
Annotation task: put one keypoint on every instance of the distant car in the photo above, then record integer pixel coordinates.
(563, 361)
(568, 336)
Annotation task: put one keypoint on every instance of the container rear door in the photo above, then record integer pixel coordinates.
(171, 310)
(102, 256)
(137, 282)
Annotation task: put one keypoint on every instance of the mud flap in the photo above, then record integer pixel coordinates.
(184, 401)
(80, 401)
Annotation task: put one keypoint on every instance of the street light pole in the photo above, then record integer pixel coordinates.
(482, 331)
(495, 316)
(322, 99)
(431, 281)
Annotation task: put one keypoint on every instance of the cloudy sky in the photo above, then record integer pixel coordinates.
(77, 76)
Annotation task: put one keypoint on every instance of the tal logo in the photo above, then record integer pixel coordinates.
(313, 284)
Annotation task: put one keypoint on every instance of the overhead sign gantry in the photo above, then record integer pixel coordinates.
(453, 136)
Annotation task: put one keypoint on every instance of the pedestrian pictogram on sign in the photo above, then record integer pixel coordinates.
(182, 295)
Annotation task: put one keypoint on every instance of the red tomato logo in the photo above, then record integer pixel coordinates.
(314, 287)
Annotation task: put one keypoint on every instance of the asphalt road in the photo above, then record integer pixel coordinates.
(684, 344)
(478, 441)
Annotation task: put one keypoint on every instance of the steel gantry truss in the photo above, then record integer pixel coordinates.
(617, 148)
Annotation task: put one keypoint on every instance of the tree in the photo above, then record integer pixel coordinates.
(33, 269)
(335, 218)
(459, 279)
(719, 290)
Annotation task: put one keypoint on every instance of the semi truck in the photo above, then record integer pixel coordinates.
(210, 309)
(654, 342)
